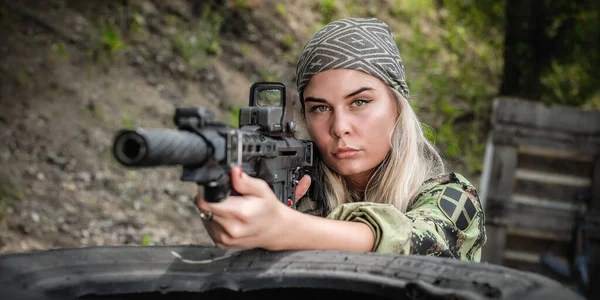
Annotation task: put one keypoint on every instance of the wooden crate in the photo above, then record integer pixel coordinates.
(538, 159)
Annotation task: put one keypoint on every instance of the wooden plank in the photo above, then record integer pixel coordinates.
(519, 136)
(539, 234)
(594, 232)
(522, 256)
(493, 251)
(547, 117)
(554, 153)
(556, 192)
(540, 158)
(595, 201)
(518, 242)
(552, 178)
(545, 203)
(563, 165)
(513, 262)
(501, 177)
(593, 225)
(526, 216)
(555, 135)
(500, 184)
(487, 168)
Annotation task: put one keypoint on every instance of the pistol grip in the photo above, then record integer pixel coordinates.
(217, 191)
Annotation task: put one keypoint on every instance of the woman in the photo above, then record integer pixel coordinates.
(380, 185)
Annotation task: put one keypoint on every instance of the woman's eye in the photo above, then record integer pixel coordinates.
(318, 108)
(360, 102)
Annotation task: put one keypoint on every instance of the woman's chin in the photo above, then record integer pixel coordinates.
(349, 170)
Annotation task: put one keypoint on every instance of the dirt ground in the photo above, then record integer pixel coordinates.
(64, 95)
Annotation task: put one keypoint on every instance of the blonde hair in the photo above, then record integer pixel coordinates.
(412, 159)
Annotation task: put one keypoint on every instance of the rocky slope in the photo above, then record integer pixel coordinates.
(73, 73)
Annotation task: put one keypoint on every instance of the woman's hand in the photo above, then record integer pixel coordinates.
(255, 219)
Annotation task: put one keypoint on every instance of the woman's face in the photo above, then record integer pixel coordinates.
(350, 115)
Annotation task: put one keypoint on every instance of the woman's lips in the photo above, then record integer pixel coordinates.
(346, 154)
(342, 153)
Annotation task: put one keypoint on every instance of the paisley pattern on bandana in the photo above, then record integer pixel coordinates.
(366, 45)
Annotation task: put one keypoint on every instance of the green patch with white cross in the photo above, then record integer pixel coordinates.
(457, 206)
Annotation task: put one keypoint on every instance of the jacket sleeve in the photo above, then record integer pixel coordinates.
(446, 219)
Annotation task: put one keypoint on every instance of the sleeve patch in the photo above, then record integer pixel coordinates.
(457, 206)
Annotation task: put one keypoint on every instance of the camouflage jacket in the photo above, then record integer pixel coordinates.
(445, 219)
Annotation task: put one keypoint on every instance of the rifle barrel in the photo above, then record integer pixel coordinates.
(159, 147)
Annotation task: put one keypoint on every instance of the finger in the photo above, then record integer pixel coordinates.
(200, 202)
(225, 233)
(222, 206)
(302, 187)
(248, 185)
(214, 229)
(225, 207)
(238, 207)
(216, 209)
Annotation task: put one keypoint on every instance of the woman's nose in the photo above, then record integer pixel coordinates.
(341, 125)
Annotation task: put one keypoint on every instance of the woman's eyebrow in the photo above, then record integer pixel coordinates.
(359, 91)
(319, 100)
(313, 99)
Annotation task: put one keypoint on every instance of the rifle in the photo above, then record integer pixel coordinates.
(264, 145)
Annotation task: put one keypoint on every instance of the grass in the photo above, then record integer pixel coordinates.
(201, 44)
(7, 196)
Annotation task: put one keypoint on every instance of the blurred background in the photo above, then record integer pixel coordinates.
(74, 72)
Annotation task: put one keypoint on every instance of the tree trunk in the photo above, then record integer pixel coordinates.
(525, 48)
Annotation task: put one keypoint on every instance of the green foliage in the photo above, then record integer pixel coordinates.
(454, 61)
(411, 8)
(266, 75)
(593, 103)
(571, 77)
(201, 44)
(352, 8)
(137, 27)
(234, 116)
(287, 41)
(281, 9)
(245, 49)
(329, 11)
(111, 39)
(453, 74)
(242, 3)
(59, 52)
(146, 240)
(7, 195)
(565, 83)
(127, 122)
(7, 17)
(429, 133)
(484, 20)
(552, 55)
(107, 41)
(22, 77)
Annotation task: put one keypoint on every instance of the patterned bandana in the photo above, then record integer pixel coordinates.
(366, 45)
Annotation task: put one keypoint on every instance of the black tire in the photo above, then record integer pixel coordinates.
(194, 272)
